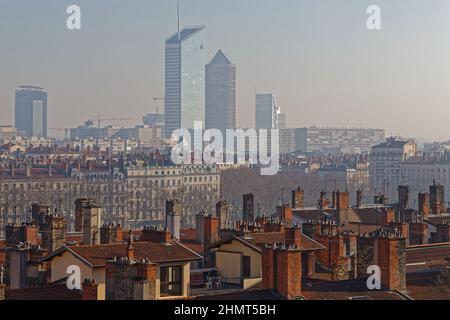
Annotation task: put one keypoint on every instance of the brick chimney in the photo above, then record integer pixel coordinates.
(282, 270)
(323, 201)
(424, 204)
(153, 234)
(130, 249)
(298, 198)
(418, 233)
(437, 201)
(392, 262)
(342, 200)
(90, 290)
(284, 213)
(110, 234)
(267, 261)
(210, 229)
(293, 236)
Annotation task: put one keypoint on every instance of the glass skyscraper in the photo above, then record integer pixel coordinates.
(31, 111)
(185, 79)
(220, 93)
(266, 112)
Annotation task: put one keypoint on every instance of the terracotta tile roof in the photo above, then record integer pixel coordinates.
(97, 255)
(427, 257)
(425, 286)
(194, 246)
(344, 290)
(52, 292)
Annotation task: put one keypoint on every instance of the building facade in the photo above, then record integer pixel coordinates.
(184, 79)
(266, 111)
(220, 93)
(31, 111)
(385, 163)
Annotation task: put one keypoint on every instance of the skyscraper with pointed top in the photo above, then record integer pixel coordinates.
(220, 93)
(184, 78)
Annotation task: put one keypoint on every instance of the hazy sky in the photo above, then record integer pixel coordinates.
(318, 57)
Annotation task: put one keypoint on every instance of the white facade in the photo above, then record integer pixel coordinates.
(385, 163)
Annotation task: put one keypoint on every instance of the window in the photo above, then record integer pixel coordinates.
(170, 281)
(246, 267)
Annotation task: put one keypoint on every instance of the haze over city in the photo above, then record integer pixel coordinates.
(325, 67)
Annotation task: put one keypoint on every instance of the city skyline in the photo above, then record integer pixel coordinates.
(369, 78)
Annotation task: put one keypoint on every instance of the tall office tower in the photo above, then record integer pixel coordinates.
(185, 79)
(266, 111)
(31, 111)
(220, 93)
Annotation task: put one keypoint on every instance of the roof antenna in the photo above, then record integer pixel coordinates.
(179, 34)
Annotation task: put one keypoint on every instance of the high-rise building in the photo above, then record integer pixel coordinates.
(266, 111)
(220, 93)
(31, 111)
(185, 79)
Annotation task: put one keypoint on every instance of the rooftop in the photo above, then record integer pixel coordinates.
(185, 34)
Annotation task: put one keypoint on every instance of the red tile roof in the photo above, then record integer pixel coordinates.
(344, 290)
(97, 255)
(426, 286)
(434, 256)
(52, 292)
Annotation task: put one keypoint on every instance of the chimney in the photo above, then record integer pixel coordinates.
(293, 236)
(403, 196)
(210, 229)
(28, 170)
(282, 270)
(90, 290)
(392, 262)
(323, 202)
(267, 261)
(424, 205)
(284, 213)
(298, 198)
(342, 200)
(437, 201)
(130, 249)
(174, 210)
(222, 212)
(248, 205)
